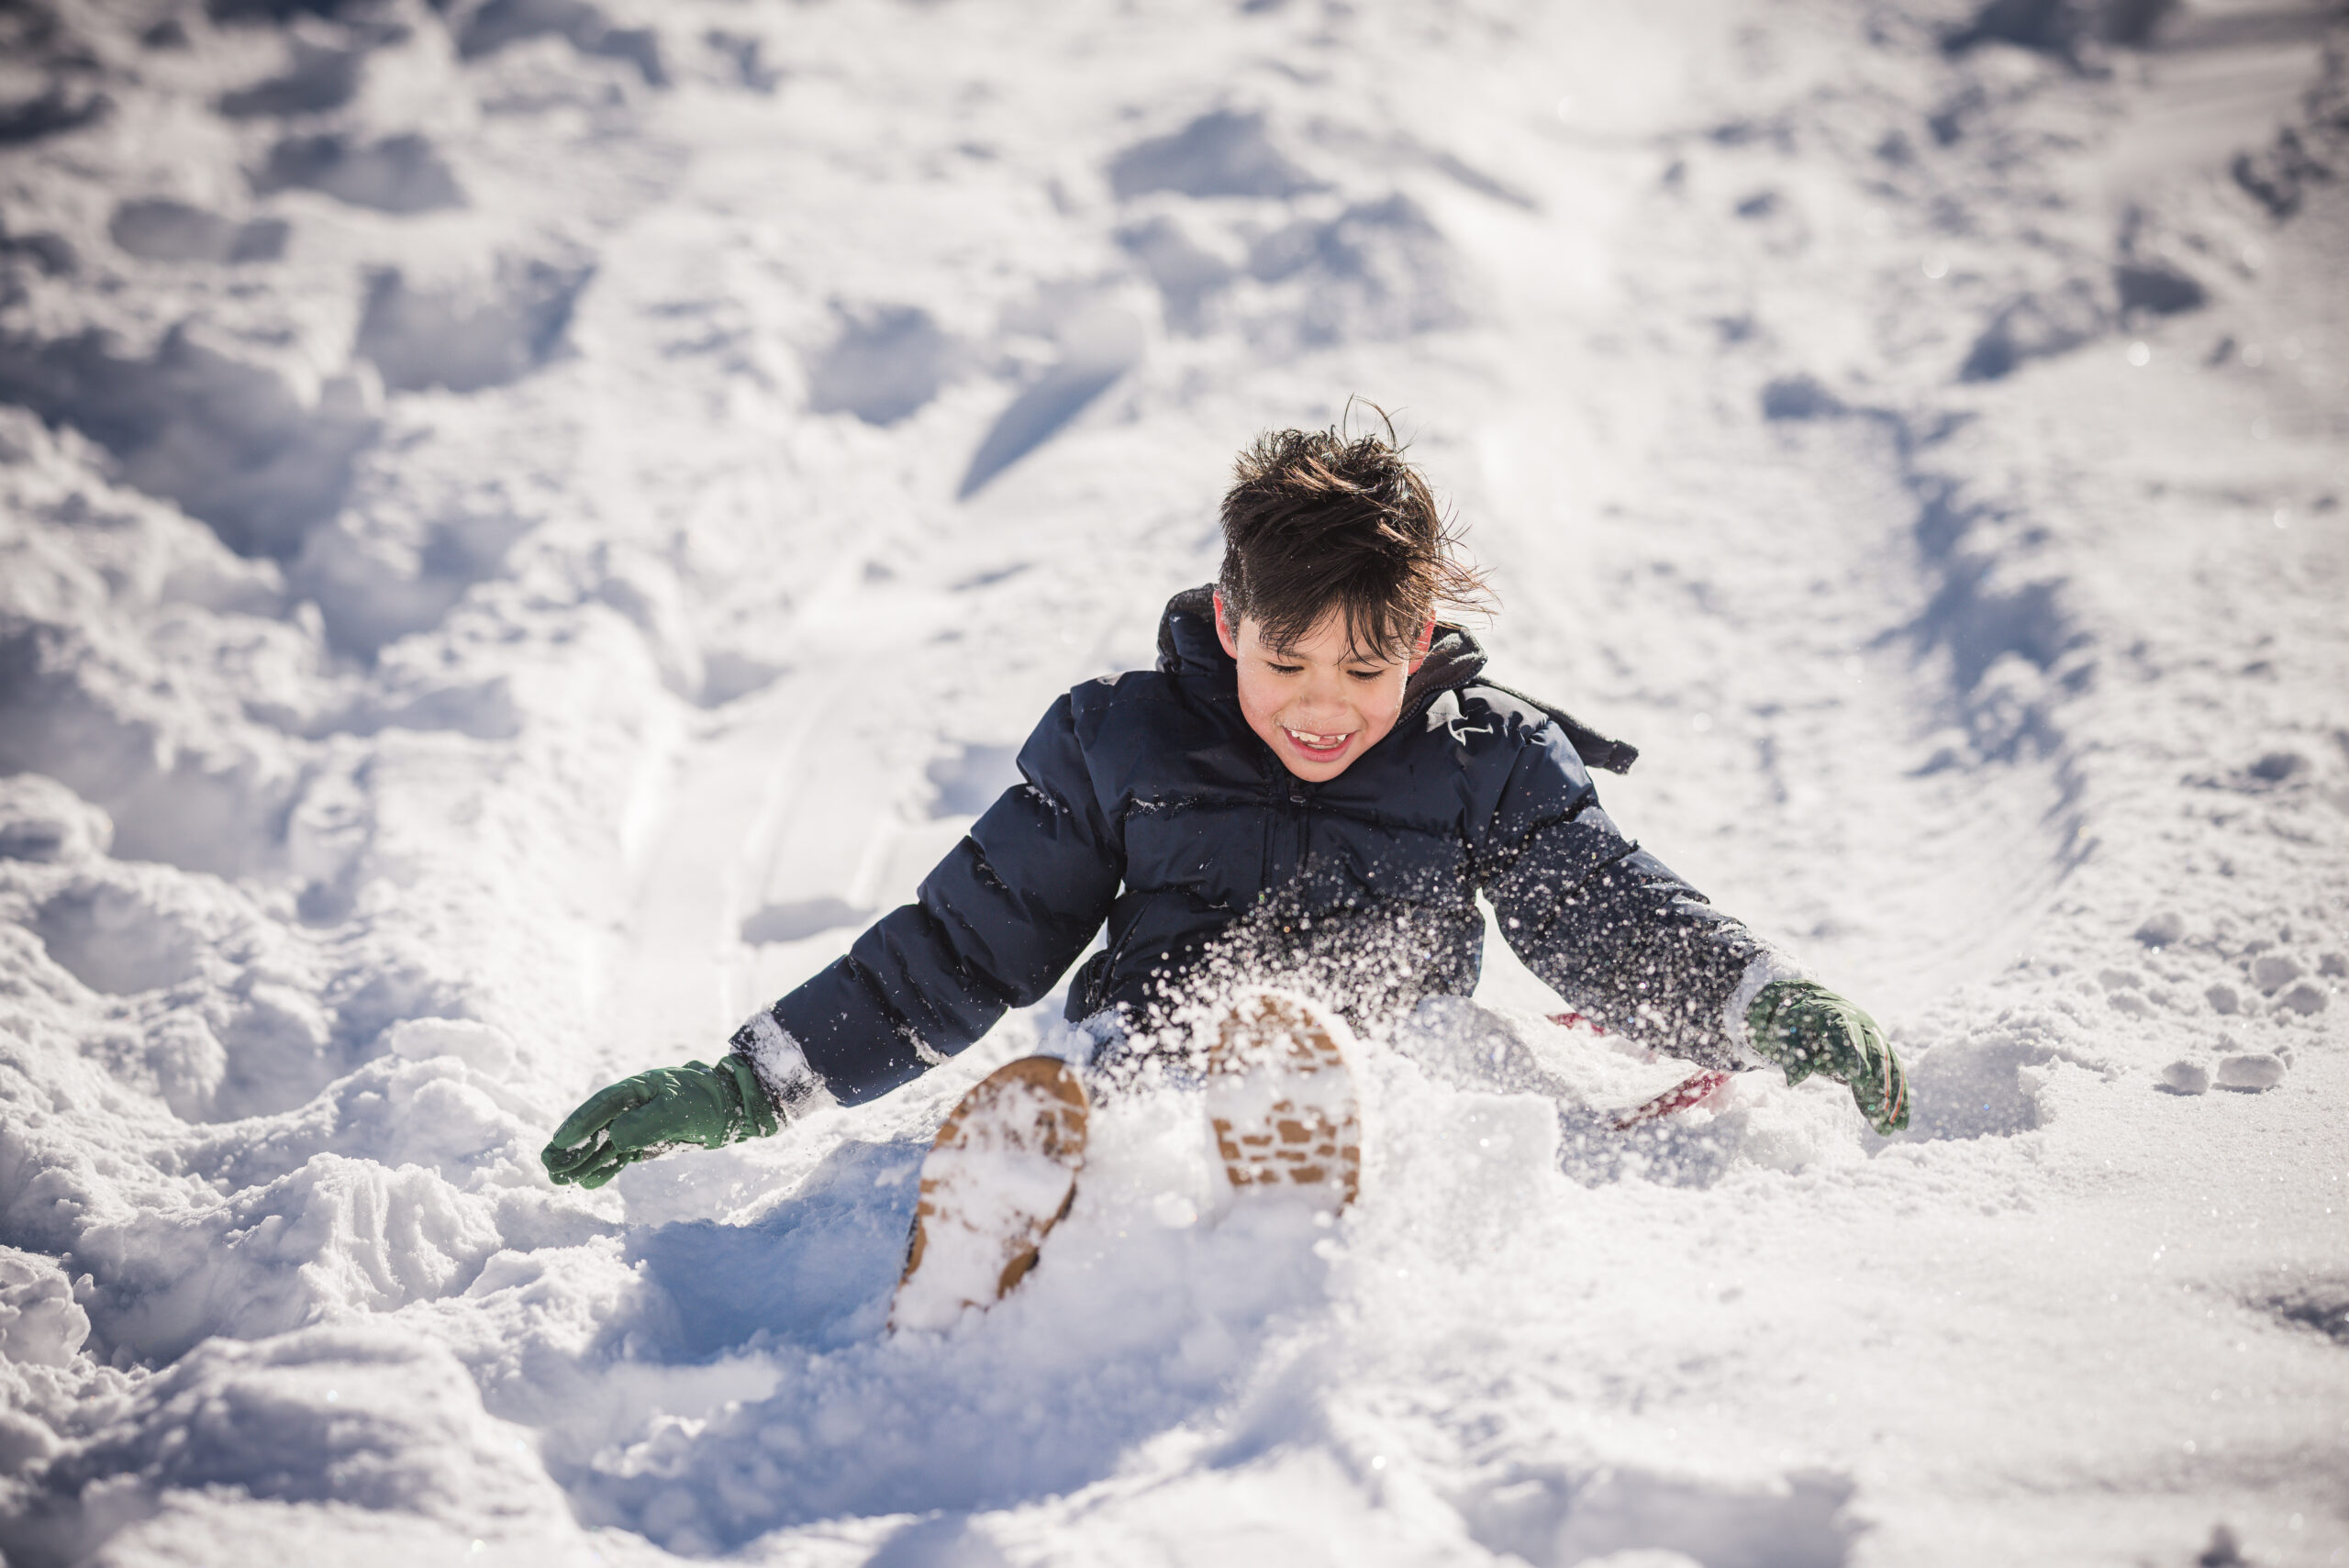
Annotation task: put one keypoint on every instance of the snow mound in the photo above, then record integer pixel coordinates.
(887, 362)
(468, 333)
(403, 173)
(233, 441)
(41, 819)
(1224, 152)
(157, 229)
(338, 1419)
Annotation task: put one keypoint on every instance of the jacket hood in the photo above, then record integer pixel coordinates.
(1187, 645)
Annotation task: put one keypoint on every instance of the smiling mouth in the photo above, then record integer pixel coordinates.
(1314, 745)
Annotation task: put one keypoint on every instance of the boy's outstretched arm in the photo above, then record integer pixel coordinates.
(1611, 928)
(994, 926)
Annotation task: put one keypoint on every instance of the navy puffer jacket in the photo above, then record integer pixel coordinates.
(1149, 805)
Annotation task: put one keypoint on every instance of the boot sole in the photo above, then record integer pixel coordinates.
(1281, 1098)
(1000, 1175)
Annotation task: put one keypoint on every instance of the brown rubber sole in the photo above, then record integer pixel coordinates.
(1000, 1175)
(1281, 1098)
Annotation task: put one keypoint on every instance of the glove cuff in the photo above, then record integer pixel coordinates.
(1768, 967)
(790, 1087)
(757, 1116)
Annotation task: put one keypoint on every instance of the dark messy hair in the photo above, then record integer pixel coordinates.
(1317, 520)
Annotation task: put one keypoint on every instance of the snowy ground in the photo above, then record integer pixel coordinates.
(525, 523)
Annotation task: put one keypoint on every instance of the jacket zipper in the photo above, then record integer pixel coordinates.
(1300, 800)
(1272, 853)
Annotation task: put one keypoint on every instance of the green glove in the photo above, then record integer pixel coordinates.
(655, 1112)
(1808, 1029)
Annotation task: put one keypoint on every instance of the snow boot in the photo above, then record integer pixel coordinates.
(1001, 1173)
(1280, 1093)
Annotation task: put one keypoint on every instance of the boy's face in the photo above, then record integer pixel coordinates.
(1314, 703)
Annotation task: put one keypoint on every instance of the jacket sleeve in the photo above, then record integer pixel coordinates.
(994, 926)
(1605, 923)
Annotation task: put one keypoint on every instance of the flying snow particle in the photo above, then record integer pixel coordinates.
(1936, 268)
(2140, 354)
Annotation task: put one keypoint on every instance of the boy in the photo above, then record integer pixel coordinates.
(1313, 785)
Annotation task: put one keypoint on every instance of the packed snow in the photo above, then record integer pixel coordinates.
(527, 522)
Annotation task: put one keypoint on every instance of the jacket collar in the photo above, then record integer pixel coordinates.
(1187, 641)
(1187, 645)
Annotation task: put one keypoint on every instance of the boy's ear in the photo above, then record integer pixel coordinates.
(1223, 627)
(1420, 647)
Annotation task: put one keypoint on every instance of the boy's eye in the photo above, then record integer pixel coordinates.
(1287, 669)
(1365, 675)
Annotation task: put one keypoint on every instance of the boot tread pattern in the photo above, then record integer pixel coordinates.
(1000, 1175)
(1281, 1098)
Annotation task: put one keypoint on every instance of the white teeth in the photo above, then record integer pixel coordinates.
(1319, 742)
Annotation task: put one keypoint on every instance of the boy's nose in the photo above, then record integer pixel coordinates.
(1320, 708)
